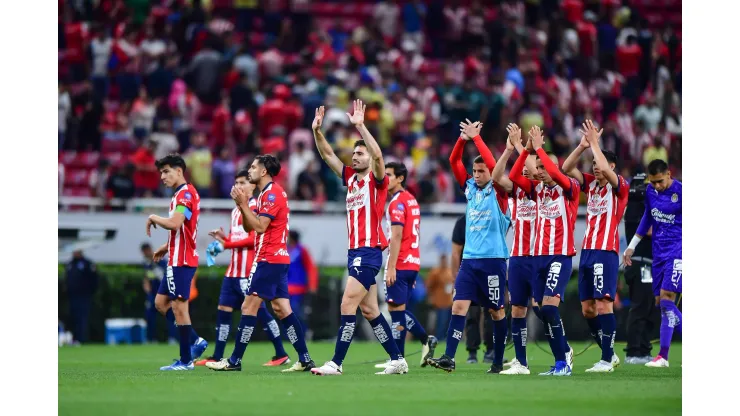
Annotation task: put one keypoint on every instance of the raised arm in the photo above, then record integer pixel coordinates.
(516, 172)
(458, 169)
(593, 135)
(552, 169)
(473, 130)
(357, 118)
(325, 150)
(570, 166)
(498, 172)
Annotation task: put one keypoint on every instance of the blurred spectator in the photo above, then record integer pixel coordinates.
(122, 184)
(146, 176)
(224, 170)
(412, 14)
(65, 108)
(386, 14)
(185, 107)
(205, 73)
(303, 276)
(308, 183)
(649, 113)
(142, 115)
(100, 49)
(164, 139)
(98, 181)
(654, 151)
(199, 160)
(298, 161)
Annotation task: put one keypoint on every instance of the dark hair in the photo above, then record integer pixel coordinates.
(478, 159)
(295, 236)
(359, 143)
(145, 246)
(244, 173)
(399, 169)
(657, 166)
(610, 156)
(173, 160)
(270, 162)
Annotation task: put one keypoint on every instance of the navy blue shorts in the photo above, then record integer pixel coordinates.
(521, 279)
(364, 263)
(598, 272)
(553, 274)
(268, 281)
(177, 281)
(232, 291)
(481, 281)
(400, 292)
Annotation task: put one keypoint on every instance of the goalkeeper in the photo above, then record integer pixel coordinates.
(235, 283)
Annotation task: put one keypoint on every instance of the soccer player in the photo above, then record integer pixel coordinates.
(482, 275)
(367, 187)
(663, 213)
(235, 283)
(557, 206)
(268, 277)
(598, 271)
(402, 267)
(174, 291)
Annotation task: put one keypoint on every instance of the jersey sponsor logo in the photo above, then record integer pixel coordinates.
(188, 196)
(550, 209)
(660, 216)
(271, 197)
(413, 260)
(526, 209)
(357, 198)
(678, 265)
(399, 206)
(282, 252)
(412, 203)
(380, 333)
(347, 331)
(357, 262)
(597, 205)
(415, 211)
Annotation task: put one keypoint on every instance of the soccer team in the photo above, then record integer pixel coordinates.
(537, 267)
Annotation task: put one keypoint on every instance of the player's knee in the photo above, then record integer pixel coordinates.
(396, 307)
(369, 311)
(459, 308)
(281, 308)
(604, 306)
(518, 311)
(497, 314)
(349, 306)
(251, 305)
(588, 308)
(162, 305)
(667, 296)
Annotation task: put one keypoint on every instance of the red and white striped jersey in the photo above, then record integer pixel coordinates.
(605, 209)
(181, 242)
(556, 219)
(365, 203)
(524, 218)
(272, 245)
(403, 210)
(241, 244)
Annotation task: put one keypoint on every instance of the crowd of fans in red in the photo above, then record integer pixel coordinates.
(222, 80)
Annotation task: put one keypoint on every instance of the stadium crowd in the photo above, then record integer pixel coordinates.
(222, 80)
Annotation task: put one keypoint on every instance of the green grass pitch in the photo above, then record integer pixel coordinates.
(125, 380)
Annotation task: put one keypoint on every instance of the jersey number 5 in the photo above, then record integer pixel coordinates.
(415, 231)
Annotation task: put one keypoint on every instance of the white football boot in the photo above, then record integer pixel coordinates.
(658, 361)
(516, 368)
(383, 364)
(615, 361)
(395, 367)
(328, 369)
(601, 367)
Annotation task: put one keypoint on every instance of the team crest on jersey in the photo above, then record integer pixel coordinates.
(271, 197)
(674, 198)
(188, 195)
(399, 206)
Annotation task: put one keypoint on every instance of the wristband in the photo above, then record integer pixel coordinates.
(635, 241)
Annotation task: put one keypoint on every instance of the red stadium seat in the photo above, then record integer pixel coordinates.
(76, 191)
(77, 177)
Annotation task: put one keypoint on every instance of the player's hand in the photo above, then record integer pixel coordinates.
(358, 113)
(390, 277)
(628, 256)
(473, 129)
(238, 195)
(160, 253)
(149, 224)
(463, 126)
(584, 144)
(591, 133)
(217, 233)
(537, 137)
(318, 118)
(515, 136)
